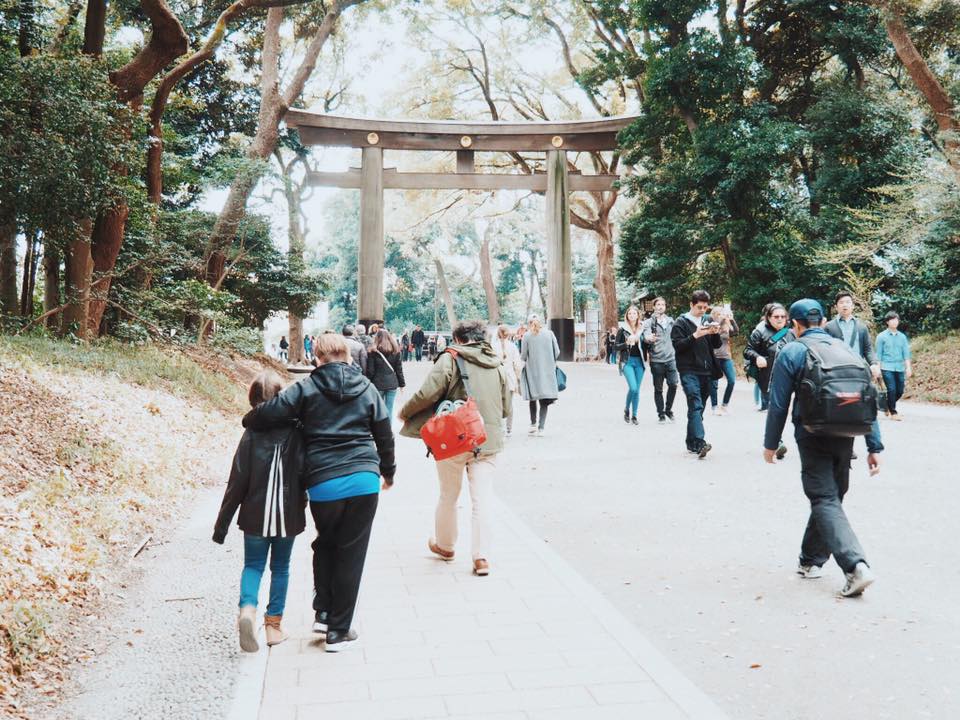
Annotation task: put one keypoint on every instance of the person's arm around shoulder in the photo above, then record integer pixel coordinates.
(278, 411)
(236, 489)
(433, 390)
(782, 379)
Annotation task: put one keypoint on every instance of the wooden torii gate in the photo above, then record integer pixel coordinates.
(466, 138)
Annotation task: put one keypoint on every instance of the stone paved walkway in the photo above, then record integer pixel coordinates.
(531, 640)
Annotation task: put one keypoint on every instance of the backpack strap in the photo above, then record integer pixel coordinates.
(462, 367)
(779, 334)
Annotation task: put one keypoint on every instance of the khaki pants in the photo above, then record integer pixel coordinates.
(480, 471)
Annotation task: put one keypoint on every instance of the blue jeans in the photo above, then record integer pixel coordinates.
(612, 357)
(255, 550)
(896, 382)
(633, 371)
(757, 395)
(696, 388)
(730, 373)
(388, 397)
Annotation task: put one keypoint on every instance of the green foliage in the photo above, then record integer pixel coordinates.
(62, 134)
(757, 145)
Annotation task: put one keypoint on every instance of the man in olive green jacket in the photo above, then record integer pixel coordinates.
(489, 388)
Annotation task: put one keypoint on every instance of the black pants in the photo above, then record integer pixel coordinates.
(544, 404)
(825, 471)
(664, 371)
(343, 532)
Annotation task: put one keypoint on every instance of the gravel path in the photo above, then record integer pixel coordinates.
(700, 555)
(173, 653)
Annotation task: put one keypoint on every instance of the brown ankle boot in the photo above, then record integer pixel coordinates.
(271, 625)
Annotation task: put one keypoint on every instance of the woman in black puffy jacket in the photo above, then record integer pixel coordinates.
(766, 340)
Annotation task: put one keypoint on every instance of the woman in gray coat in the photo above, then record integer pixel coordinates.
(538, 381)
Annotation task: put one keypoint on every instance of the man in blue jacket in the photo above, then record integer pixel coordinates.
(824, 460)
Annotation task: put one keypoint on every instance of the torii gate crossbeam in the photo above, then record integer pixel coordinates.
(466, 138)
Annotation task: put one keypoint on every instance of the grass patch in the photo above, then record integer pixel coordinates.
(146, 365)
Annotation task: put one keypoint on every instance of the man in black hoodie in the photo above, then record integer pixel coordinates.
(695, 336)
(349, 447)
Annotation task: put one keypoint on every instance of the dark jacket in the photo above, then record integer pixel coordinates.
(345, 424)
(418, 338)
(863, 339)
(625, 351)
(760, 344)
(385, 371)
(263, 463)
(694, 355)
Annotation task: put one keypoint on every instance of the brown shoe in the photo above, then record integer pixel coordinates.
(896, 416)
(246, 625)
(446, 555)
(481, 567)
(271, 626)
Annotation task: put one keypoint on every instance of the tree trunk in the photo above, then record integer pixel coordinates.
(489, 287)
(25, 298)
(51, 280)
(79, 266)
(31, 272)
(936, 96)
(8, 269)
(606, 280)
(105, 248)
(295, 261)
(445, 292)
(95, 27)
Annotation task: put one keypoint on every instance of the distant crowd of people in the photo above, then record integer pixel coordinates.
(327, 441)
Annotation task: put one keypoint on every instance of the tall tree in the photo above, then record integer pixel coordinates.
(274, 102)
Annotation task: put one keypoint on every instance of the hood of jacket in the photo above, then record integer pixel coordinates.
(340, 381)
(480, 354)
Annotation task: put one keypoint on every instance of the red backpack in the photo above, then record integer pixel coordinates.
(456, 427)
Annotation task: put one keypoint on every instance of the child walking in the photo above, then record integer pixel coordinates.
(265, 485)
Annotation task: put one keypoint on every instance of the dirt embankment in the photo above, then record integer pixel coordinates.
(99, 448)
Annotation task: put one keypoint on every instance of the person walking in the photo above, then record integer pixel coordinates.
(358, 353)
(725, 360)
(770, 335)
(432, 348)
(663, 360)
(405, 347)
(610, 345)
(270, 498)
(824, 458)
(695, 336)
(284, 347)
(349, 447)
(629, 346)
(488, 384)
(893, 354)
(853, 331)
(385, 368)
(307, 348)
(505, 349)
(539, 351)
(419, 340)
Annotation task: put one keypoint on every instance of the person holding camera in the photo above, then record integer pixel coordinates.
(695, 336)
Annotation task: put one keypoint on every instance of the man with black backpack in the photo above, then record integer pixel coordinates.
(835, 401)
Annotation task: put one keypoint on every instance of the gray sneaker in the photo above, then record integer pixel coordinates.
(859, 580)
(809, 572)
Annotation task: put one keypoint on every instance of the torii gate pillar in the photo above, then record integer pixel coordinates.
(372, 252)
(559, 255)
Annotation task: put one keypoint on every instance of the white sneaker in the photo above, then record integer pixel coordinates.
(810, 572)
(859, 580)
(532, 430)
(539, 432)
